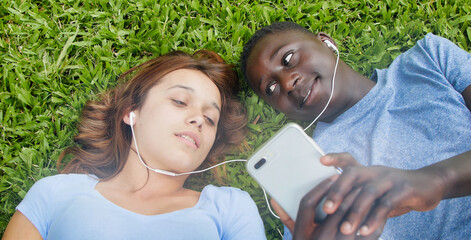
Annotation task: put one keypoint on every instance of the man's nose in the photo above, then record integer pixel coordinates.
(288, 82)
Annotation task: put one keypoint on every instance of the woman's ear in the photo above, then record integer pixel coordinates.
(130, 118)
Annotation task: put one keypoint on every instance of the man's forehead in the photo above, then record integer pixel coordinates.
(274, 41)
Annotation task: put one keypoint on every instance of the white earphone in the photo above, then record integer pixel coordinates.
(131, 118)
(334, 48)
(331, 46)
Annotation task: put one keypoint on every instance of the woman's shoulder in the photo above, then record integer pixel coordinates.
(211, 189)
(50, 195)
(69, 181)
(237, 211)
(225, 194)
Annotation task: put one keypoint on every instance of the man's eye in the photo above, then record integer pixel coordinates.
(286, 59)
(270, 89)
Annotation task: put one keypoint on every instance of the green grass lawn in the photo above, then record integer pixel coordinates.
(57, 54)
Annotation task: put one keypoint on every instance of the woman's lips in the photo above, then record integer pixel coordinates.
(189, 138)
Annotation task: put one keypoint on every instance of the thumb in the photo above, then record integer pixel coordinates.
(341, 160)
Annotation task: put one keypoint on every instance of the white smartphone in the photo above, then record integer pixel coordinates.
(287, 166)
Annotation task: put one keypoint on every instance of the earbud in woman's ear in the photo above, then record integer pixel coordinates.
(131, 118)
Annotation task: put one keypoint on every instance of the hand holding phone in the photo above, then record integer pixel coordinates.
(287, 166)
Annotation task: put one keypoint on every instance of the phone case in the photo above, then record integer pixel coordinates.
(287, 166)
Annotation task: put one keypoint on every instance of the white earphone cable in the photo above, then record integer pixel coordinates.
(330, 45)
(331, 92)
(206, 169)
(167, 172)
(268, 204)
(138, 153)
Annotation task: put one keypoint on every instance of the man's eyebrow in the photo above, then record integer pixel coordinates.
(214, 104)
(275, 52)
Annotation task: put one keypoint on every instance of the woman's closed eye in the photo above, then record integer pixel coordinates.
(210, 121)
(179, 102)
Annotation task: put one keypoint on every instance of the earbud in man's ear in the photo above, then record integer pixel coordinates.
(131, 118)
(331, 45)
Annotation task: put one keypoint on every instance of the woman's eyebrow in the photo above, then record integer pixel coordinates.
(181, 86)
(190, 89)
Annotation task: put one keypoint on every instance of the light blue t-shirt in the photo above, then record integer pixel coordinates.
(69, 207)
(414, 116)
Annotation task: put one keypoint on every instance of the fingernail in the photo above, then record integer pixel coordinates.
(364, 230)
(327, 159)
(329, 204)
(346, 227)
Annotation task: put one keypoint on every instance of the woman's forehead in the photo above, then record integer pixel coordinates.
(192, 81)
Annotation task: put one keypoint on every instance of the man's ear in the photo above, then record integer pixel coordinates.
(325, 37)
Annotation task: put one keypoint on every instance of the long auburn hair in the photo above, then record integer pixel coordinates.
(103, 140)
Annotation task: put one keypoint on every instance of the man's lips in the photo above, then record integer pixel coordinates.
(309, 86)
(190, 138)
(305, 98)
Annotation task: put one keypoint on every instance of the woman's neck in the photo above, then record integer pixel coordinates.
(136, 178)
(142, 191)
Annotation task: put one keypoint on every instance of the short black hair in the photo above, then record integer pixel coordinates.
(262, 33)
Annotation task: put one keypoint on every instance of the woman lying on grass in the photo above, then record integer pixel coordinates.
(176, 114)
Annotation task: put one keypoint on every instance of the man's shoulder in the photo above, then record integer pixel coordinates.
(433, 41)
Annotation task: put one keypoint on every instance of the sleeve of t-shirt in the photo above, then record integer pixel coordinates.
(38, 206)
(453, 61)
(242, 219)
(286, 233)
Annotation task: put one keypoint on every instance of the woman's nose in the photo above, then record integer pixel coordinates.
(196, 119)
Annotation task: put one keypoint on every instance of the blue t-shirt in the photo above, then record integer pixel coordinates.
(69, 207)
(413, 117)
